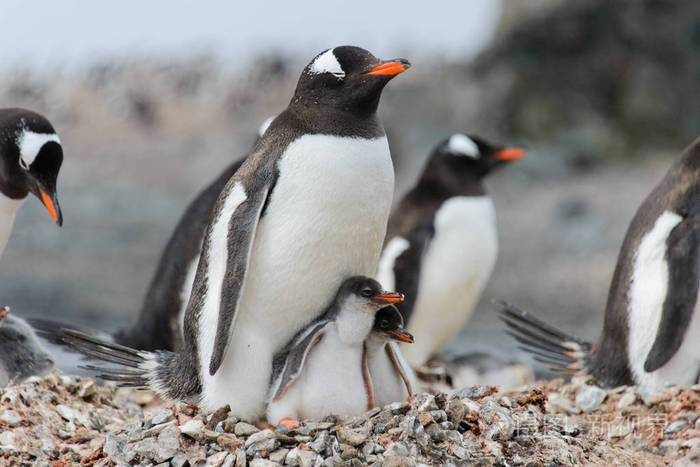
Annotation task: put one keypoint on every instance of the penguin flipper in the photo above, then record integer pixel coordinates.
(289, 362)
(683, 260)
(566, 354)
(407, 268)
(244, 219)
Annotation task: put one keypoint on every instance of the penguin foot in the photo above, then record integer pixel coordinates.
(290, 423)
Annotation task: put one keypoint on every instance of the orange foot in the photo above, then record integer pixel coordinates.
(290, 423)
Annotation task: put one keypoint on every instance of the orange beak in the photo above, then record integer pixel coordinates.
(510, 154)
(390, 68)
(402, 335)
(48, 202)
(388, 297)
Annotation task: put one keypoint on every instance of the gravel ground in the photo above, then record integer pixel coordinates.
(64, 420)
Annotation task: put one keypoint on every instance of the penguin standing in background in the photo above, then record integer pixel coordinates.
(307, 209)
(324, 368)
(652, 325)
(442, 243)
(393, 379)
(30, 158)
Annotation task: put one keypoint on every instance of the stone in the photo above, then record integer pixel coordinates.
(398, 408)
(501, 424)
(627, 399)
(87, 388)
(320, 443)
(259, 436)
(193, 428)
(245, 429)
(259, 462)
(179, 460)
(589, 398)
(115, 449)
(675, 427)
(279, 455)
(474, 392)
(163, 415)
(228, 441)
(168, 443)
(11, 417)
(559, 404)
(352, 437)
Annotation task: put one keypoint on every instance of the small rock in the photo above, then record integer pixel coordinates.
(192, 428)
(259, 436)
(168, 443)
(474, 392)
(398, 408)
(279, 455)
(228, 441)
(11, 417)
(302, 458)
(397, 449)
(559, 404)
(320, 443)
(459, 452)
(425, 402)
(620, 431)
(245, 429)
(589, 398)
(217, 459)
(179, 460)
(163, 415)
(670, 445)
(493, 448)
(675, 427)
(501, 423)
(262, 463)
(353, 437)
(87, 388)
(626, 400)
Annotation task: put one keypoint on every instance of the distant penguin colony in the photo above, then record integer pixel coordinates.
(263, 298)
(652, 326)
(442, 242)
(30, 158)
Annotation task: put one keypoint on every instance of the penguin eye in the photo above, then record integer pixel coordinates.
(367, 292)
(384, 324)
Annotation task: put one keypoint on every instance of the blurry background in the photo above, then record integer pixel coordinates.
(153, 99)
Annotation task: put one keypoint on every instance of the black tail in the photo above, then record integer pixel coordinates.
(564, 353)
(52, 331)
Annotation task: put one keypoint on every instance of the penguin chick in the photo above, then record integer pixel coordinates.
(392, 378)
(21, 354)
(323, 369)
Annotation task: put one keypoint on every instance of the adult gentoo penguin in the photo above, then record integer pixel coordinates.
(324, 369)
(392, 378)
(30, 158)
(652, 327)
(442, 243)
(307, 209)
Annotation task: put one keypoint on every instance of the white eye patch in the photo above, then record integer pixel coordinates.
(30, 143)
(327, 63)
(461, 145)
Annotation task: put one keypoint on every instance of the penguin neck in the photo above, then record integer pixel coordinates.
(375, 343)
(329, 119)
(353, 324)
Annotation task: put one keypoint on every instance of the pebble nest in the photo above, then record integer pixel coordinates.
(62, 420)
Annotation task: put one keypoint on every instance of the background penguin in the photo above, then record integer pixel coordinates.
(392, 378)
(21, 354)
(442, 243)
(30, 158)
(324, 368)
(307, 208)
(652, 327)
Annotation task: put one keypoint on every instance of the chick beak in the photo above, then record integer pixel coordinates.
(388, 297)
(400, 334)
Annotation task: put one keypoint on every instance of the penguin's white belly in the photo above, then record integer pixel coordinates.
(454, 271)
(325, 221)
(8, 209)
(647, 294)
(387, 382)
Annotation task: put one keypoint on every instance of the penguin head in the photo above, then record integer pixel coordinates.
(388, 324)
(472, 156)
(366, 294)
(348, 78)
(30, 158)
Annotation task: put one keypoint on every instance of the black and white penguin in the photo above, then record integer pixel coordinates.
(392, 378)
(652, 328)
(21, 353)
(324, 368)
(442, 243)
(30, 158)
(307, 209)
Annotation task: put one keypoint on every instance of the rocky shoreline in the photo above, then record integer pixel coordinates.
(65, 420)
